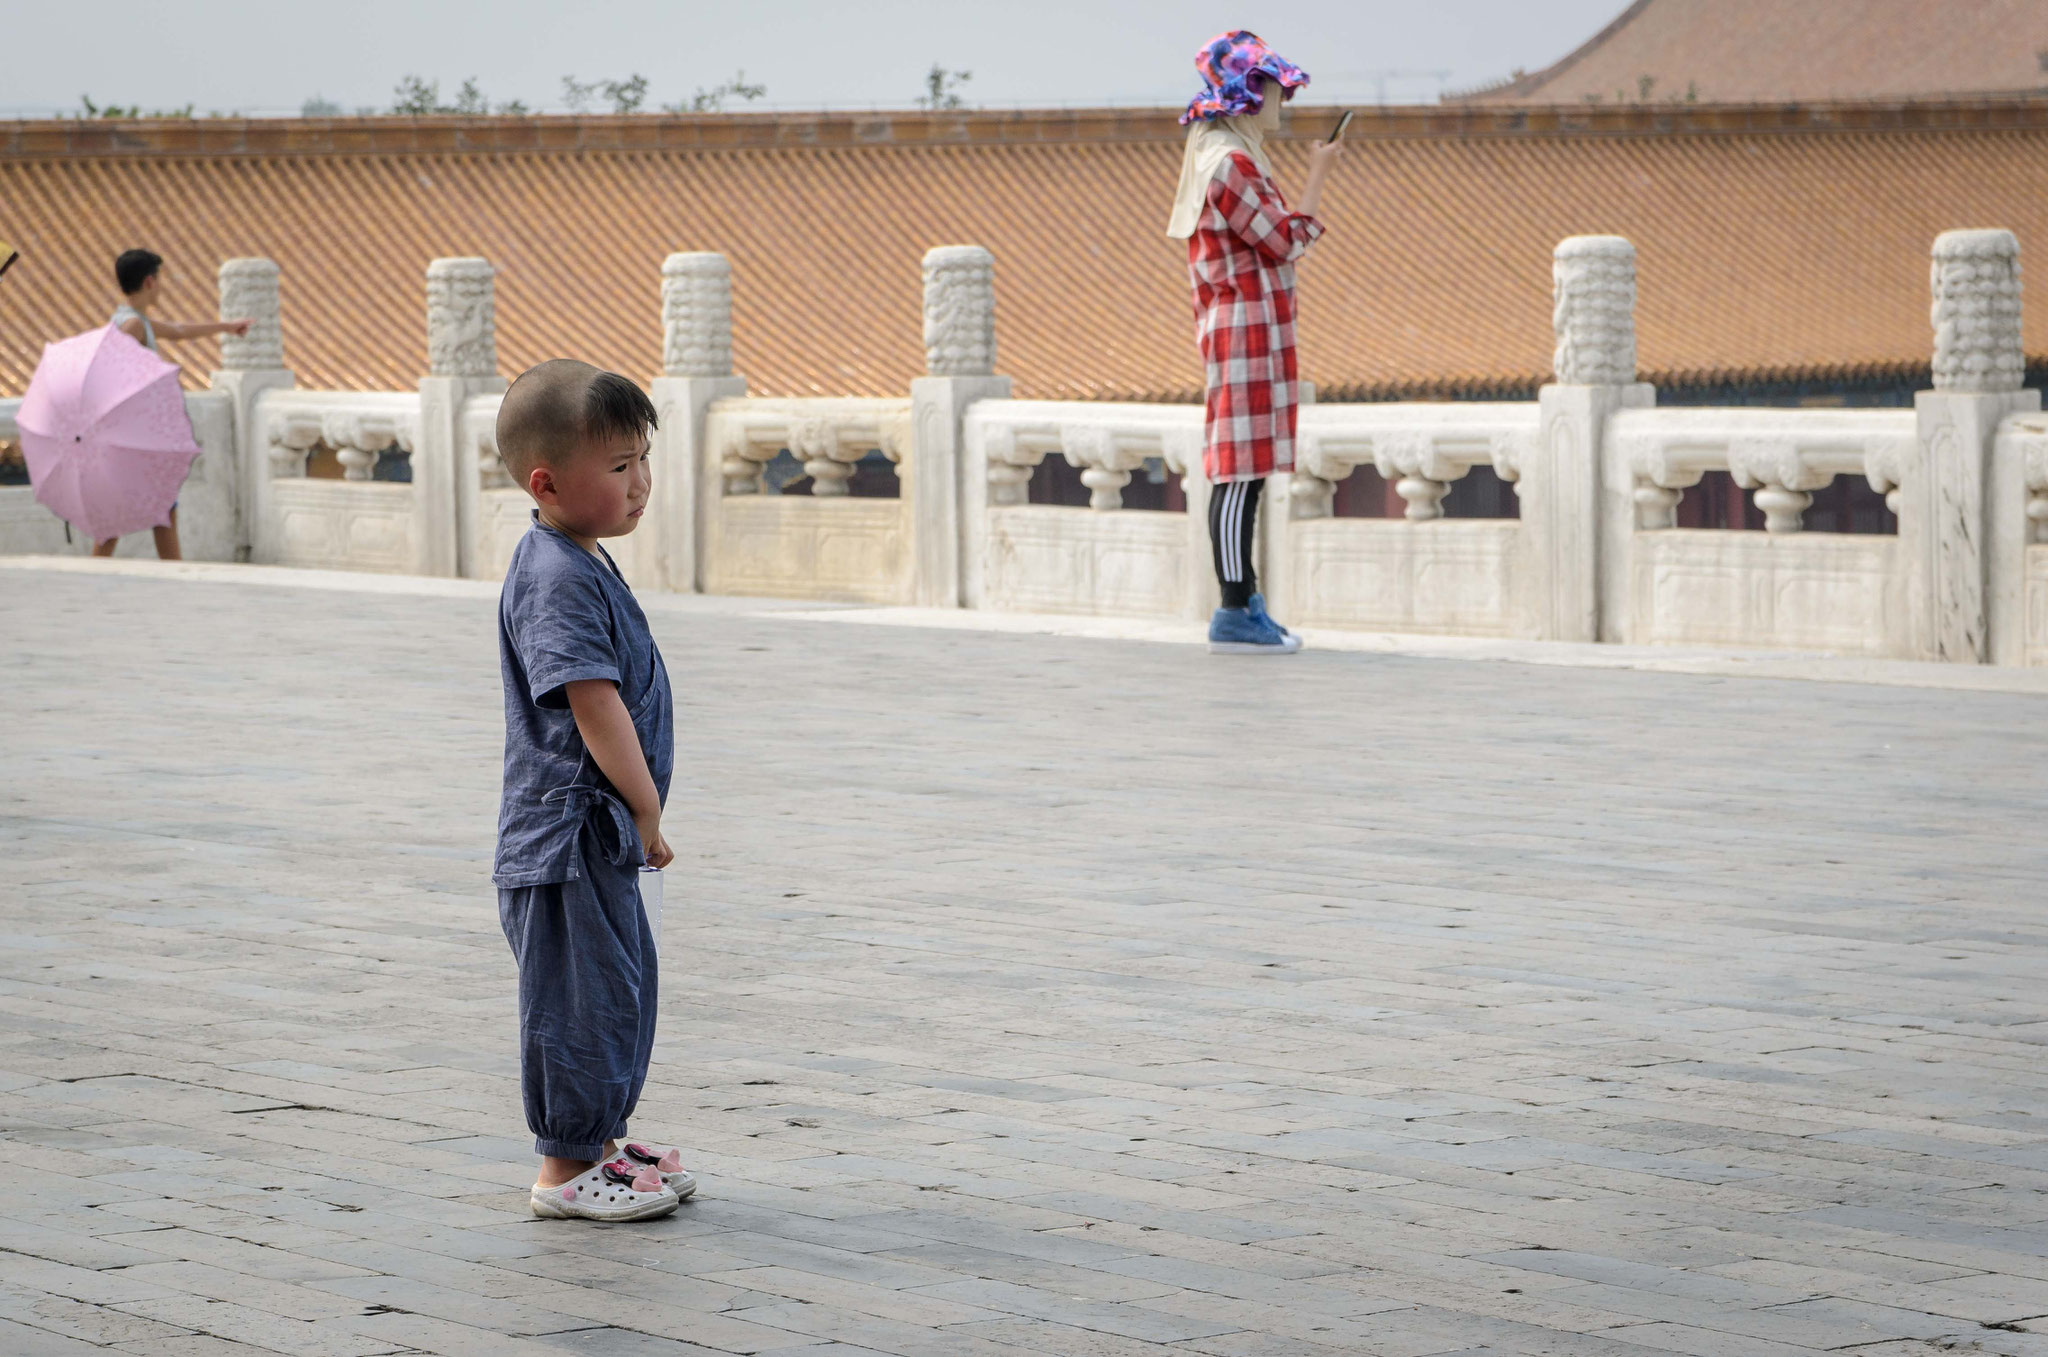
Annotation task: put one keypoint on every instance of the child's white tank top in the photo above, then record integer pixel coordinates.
(125, 312)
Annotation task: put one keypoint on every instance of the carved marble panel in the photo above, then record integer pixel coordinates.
(798, 546)
(1449, 577)
(345, 525)
(503, 517)
(1807, 591)
(1052, 558)
(2037, 605)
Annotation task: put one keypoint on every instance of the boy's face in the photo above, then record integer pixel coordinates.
(599, 490)
(146, 294)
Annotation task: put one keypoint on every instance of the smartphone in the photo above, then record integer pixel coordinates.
(1343, 122)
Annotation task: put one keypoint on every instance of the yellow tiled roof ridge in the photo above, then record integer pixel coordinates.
(75, 138)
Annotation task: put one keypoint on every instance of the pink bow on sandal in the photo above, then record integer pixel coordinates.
(639, 1177)
(671, 1162)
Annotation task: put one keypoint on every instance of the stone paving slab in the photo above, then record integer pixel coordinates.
(1030, 992)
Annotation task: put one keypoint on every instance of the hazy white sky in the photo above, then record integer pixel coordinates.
(270, 56)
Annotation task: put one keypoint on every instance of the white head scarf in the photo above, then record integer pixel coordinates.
(1209, 142)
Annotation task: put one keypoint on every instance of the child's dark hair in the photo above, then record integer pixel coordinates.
(134, 268)
(557, 406)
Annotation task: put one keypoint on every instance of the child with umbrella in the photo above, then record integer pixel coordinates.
(1242, 244)
(103, 424)
(139, 273)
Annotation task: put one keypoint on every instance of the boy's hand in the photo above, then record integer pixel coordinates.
(658, 853)
(236, 327)
(614, 746)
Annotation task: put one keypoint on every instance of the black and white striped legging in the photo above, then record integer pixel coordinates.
(1233, 511)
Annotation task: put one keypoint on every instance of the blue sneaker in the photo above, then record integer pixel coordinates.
(1236, 631)
(1258, 609)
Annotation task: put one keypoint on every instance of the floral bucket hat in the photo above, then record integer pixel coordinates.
(1226, 64)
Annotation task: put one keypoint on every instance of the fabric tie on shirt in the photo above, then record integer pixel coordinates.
(617, 835)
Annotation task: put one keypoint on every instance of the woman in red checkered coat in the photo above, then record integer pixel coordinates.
(1242, 244)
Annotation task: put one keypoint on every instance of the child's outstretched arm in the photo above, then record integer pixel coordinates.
(198, 329)
(607, 731)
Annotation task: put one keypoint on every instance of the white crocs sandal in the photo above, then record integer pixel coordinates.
(667, 1162)
(620, 1190)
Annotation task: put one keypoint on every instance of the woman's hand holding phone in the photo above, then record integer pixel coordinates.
(1321, 156)
(1324, 153)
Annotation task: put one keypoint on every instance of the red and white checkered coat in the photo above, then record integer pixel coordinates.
(1241, 261)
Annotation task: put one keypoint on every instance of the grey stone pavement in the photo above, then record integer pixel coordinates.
(1024, 994)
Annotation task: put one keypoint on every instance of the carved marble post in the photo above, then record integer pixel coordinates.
(248, 291)
(949, 501)
(1962, 517)
(1579, 512)
(250, 365)
(696, 352)
(462, 359)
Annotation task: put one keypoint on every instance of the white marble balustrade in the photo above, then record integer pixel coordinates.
(1781, 455)
(500, 511)
(1106, 440)
(356, 425)
(827, 435)
(1103, 559)
(2021, 458)
(1783, 587)
(825, 545)
(1419, 449)
(1422, 572)
(355, 522)
(1598, 470)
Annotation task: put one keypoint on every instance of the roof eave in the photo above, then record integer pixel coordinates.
(69, 139)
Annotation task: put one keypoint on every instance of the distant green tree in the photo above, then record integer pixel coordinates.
(625, 96)
(416, 97)
(942, 88)
(713, 100)
(319, 106)
(420, 98)
(89, 109)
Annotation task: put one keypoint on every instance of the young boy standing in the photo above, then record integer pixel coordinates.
(589, 745)
(139, 274)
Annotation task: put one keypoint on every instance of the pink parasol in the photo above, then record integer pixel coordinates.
(104, 433)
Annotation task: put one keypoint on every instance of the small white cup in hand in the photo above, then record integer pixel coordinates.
(650, 902)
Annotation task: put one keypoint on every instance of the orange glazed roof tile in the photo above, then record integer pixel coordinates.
(1733, 51)
(1774, 243)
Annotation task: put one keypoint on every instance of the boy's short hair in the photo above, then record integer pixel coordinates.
(557, 406)
(134, 268)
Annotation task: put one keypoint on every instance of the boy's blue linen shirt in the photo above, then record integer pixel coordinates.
(565, 615)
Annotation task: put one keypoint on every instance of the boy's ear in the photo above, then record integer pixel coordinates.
(540, 483)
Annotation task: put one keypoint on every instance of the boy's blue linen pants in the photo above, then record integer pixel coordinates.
(587, 989)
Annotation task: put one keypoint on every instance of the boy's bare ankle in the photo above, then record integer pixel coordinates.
(554, 1172)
